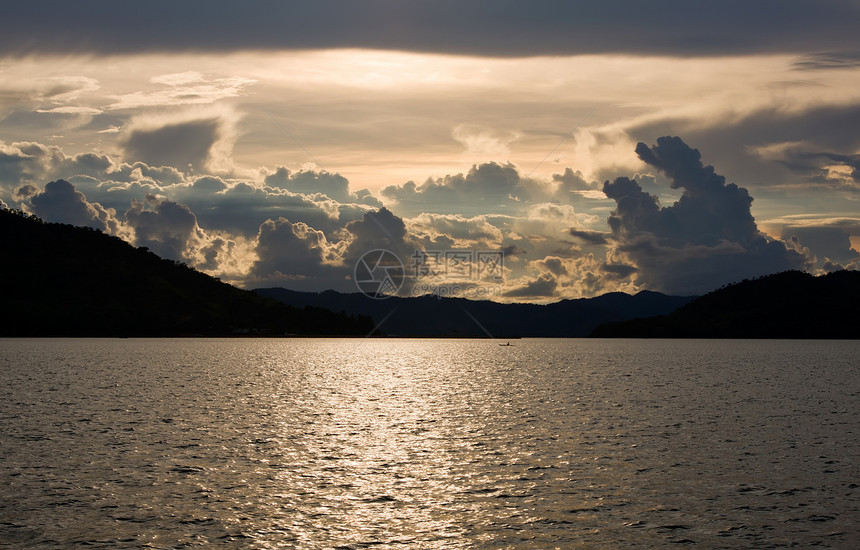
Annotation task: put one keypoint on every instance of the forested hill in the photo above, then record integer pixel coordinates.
(792, 304)
(60, 280)
(432, 316)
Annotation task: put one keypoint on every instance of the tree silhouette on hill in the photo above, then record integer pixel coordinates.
(62, 280)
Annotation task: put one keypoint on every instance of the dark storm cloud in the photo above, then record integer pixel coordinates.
(543, 287)
(290, 249)
(301, 257)
(814, 164)
(554, 265)
(618, 271)
(829, 243)
(26, 191)
(380, 229)
(512, 250)
(733, 143)
(163, 226)
(589, 237)
(485, 27)
(179, 145)
(706, 239)
(60, 202)
(828, 238)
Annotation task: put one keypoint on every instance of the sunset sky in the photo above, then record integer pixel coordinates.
(274, 143)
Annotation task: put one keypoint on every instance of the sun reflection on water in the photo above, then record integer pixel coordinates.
(376, 459)
(430, 444)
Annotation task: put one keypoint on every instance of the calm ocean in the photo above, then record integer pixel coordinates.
(348, 443)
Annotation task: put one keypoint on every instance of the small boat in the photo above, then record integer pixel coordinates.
(506, 345)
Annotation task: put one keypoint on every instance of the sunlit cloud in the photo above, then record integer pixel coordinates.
(71, 110)
(315, 146)
(183, 90)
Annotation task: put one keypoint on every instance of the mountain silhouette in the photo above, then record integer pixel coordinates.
(61, 280)
(432, 316)
(792, 304)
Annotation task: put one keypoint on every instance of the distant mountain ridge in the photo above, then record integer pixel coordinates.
(432, 316)
(792, 304)
(61, 280)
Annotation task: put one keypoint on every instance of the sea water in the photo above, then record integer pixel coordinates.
(350, 443)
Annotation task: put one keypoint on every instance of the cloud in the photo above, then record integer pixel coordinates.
(550, 220)
(291, 251)
(167, 228)
(70, 110)
(178, 79)
(791, 139)
(618, 271)
(310, 182)
(30, 162)
(364, 196)
(379, 229)
(577, 276)
(553, 264)
(481, 141)
(544, 286)
(241, 207)
(209, 184)
(64, 89)
(573, 186)
(512, 250)
(826, 168)
(831, 243)
(479, 27)
(26, 191)
(60, 202)
(828, 61)
(705, 239)
(590, 237)
(476, 231)
(834, 240)
(526, 215)
(188, 88)
(484, 188)
(830, 266)
(303, 258)
(221, 204)
(183, 145)
(498, 190)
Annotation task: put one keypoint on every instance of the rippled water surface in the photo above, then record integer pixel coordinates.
(344, 443)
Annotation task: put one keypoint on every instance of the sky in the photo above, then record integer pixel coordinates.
(514, 151)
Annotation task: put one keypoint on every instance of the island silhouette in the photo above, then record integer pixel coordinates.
(62, 280)
(792, 304)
